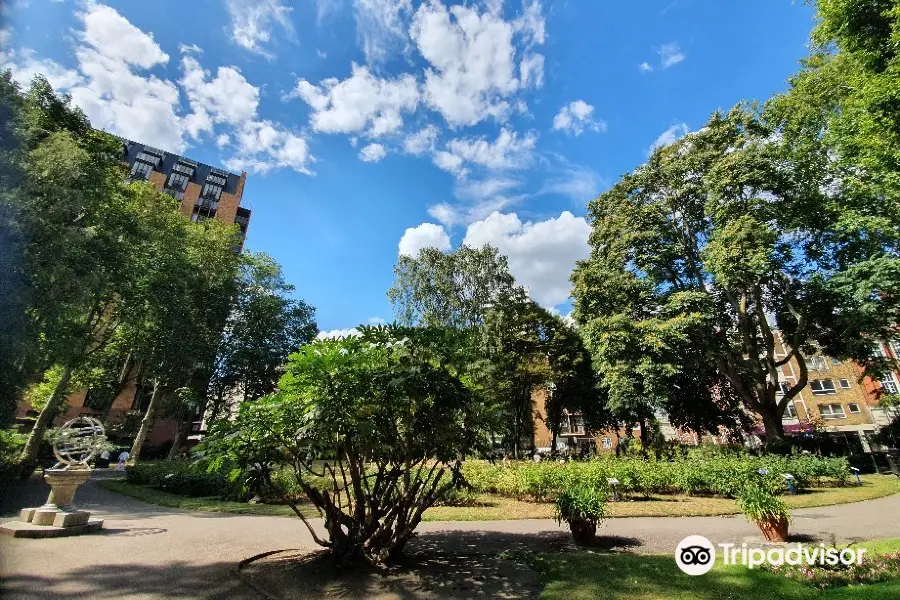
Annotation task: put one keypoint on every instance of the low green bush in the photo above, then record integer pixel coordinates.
(724, 475)
(580, 503)
(761, 504)
(186, 478)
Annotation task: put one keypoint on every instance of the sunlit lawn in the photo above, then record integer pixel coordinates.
(491, 507)
(598, 576)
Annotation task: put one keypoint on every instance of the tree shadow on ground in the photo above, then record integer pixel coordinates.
(492, 542)
(296, 575)
(179, 580)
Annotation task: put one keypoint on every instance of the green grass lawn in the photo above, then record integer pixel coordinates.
(495, 508)
(601, 576)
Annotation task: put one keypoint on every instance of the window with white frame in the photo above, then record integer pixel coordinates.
(784, 388)
(889, 383)
(853, 407)
(822, 387)
(790, 412)
(878, 350)
(845, 384)
(832, 411)
(606, 443)
(815, 363)
(895, 346)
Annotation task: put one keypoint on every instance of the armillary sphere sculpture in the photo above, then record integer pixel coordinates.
(77, 442)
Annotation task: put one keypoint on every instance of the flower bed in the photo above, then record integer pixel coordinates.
(716, 476)
(873, 569)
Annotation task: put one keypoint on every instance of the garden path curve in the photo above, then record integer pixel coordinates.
(148, 552)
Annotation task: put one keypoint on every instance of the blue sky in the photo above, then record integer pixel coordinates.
(372, 127)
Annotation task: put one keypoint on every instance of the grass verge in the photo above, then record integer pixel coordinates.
(161, 498)
(586, 575)
(497, 508)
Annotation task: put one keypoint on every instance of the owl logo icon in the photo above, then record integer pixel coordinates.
(695, 555)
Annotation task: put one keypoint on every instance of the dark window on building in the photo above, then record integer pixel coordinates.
(845, 383)
(822, 387)
(853, 407)
(149, 158)
(178, 181)
(141, 170)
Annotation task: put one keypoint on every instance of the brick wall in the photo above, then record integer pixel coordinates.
(191, 195)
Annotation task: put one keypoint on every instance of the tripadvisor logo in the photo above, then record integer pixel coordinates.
(696, 555)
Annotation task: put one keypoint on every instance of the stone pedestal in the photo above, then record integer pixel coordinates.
(58, 516)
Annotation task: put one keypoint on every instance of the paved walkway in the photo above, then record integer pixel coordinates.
(147, 552)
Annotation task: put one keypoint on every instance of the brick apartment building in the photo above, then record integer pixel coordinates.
(205, 192)
(835, 397)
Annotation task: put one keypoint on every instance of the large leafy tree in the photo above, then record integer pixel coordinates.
(718, 244)
(175, 321)
(450, 289)
(381, 417)
(77, 220)
(508, 345)
(266, 323)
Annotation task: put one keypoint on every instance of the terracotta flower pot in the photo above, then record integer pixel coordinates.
(583, 531)
(775, 531)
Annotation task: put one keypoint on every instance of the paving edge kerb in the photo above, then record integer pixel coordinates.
(236, 571)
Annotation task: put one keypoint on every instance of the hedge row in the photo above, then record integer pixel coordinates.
(185, 479)
(719, 476)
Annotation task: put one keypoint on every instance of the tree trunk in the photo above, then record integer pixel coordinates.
(32, 446)
(146, 422)
(772, 423)
(184, 428)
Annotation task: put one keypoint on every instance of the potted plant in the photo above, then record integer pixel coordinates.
(582, 508)
(762, 506)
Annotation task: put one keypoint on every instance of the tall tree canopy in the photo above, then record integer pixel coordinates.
(702, 253)
(265, 325)
(510, 345)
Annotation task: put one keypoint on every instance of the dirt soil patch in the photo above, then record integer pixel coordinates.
(301, 575)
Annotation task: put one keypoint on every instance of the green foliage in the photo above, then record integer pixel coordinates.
(11, 443)
(760, 504)
(264, 326)
(715, 476)
(381, 417)
(187, 479)
(580, 503)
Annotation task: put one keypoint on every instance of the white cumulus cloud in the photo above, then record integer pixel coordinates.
(507, 151)
(372, 153)
(575, 117)
(225, 98)
(253, 23)
(337, 333)
(362, 102)
(472, 56)
(541, 254)
(381, 27)
(669, 136)
(426, 235)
